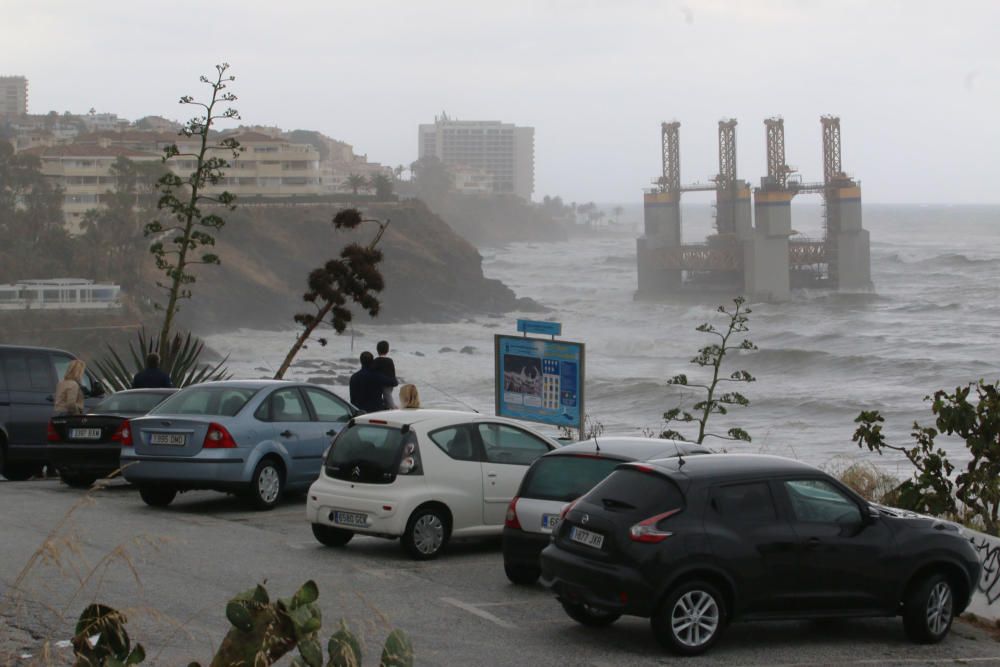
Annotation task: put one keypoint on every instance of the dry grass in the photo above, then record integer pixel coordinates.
(868, 480)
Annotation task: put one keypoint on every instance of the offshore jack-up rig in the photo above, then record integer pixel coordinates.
(759, 254)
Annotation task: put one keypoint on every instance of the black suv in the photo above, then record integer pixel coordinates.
(693, 543)
(28, 378)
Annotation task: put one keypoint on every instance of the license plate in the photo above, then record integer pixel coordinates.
(350, 519)
(85, 433)
(550, 521)
(173, 439)
(587, 537)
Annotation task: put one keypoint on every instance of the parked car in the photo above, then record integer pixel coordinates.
(259, 438)
(423, 476)
(694, 543)
(88, 446)
(562, 476)
(28, 378)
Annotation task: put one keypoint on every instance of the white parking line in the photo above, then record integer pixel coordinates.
(476, 611)
(900, 661)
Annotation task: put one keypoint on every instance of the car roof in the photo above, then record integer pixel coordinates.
(731, 466)
(631, 447)
(147, 390)
(433, 418)
(35, 348)
(246, 384)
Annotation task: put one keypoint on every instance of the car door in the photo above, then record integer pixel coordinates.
(31, 385)
(756, 542)
(507, 453)
(295, 428)
(844, 557)
(331, 413)
(460, 472)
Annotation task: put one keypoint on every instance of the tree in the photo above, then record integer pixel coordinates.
(355, 182)
(185, 197)
(355, 276)
(932, 489)
(432, 180)
(712, 356)
(382, 185)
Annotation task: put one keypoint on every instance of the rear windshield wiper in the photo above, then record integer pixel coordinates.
(611, 503)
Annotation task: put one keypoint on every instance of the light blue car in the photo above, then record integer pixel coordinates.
(258, 438)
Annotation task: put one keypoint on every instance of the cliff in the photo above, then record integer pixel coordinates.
(431, 273)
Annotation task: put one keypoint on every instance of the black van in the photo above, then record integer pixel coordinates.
(28, 378)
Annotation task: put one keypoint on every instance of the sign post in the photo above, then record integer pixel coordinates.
(539, 380)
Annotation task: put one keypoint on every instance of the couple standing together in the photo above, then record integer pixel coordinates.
(371, 387)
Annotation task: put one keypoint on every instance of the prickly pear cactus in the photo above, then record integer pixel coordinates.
(398, 651)
(263, 632)
(101, 640)
(344, 648)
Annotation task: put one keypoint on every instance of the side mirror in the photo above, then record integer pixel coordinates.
(97, 388)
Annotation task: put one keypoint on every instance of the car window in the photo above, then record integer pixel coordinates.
(216, 401)
(635, 493)
(371, 454)
(456, 442)
(328, 408)
(287, 405)
(507, 444)
(816, 500)
(28, 371)
(130, 403)
(745, 503)
(565, 478)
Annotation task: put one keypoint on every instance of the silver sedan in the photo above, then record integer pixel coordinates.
(258, 438)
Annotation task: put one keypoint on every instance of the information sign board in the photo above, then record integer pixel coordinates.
(539, 380)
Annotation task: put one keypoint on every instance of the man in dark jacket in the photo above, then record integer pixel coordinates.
(151, 377)
(367, 385)
(384, 365)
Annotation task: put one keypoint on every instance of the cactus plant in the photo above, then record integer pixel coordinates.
(262, 633)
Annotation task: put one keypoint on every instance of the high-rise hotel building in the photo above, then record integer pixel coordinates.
(502, 150)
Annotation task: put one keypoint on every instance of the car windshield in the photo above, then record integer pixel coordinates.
(565, 478)
(134, 403)
(214, 401)
(367, 453)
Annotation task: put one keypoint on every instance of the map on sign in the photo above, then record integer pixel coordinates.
(539, 380)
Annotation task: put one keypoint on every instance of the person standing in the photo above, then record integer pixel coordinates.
(409, 398)
(151, 377)
(385, 365)
(367, 385)
(69, 394)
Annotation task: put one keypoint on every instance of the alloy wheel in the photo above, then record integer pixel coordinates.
(428, 534)
(939, 608)
(694, 619)
(268, 484)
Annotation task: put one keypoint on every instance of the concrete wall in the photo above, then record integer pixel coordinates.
(986, 600)
(765, 254)
(662, 226)
(853, 245)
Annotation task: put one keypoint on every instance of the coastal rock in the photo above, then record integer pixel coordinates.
(468, 349)
(446, 349)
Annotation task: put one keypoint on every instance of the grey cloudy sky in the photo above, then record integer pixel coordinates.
(916, 84)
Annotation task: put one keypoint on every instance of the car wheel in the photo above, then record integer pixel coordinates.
(523, 575)
(593, 617)
(690, 619)
(266, 485)
(330, 536)
(77, 481)
(929, 609)
(13, 471)
(426, 534)
(157, 496)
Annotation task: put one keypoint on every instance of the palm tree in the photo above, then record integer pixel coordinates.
(381, 184)
(355, 182)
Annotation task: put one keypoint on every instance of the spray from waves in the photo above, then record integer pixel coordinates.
(942, 260)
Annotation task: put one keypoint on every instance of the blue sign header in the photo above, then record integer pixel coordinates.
(538, 327)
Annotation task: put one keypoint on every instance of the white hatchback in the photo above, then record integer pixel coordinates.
(423, 476)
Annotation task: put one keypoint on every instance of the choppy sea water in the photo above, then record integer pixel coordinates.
(823, 357)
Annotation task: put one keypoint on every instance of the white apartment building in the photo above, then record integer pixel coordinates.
(13, 96)
(503, 150)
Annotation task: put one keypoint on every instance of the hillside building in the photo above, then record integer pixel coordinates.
(13, 96)
(503, 150)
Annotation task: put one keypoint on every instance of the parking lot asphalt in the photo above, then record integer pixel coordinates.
(173, 570)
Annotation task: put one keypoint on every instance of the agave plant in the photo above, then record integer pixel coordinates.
(181, 362)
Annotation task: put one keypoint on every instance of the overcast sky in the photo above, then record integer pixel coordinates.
(916, 84)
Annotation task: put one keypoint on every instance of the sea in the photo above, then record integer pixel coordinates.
(930, 323)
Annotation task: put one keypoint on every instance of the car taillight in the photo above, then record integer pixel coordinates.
(218, 438)
(123, 436)
(646, 531)
(52, 435)
(511, 521)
